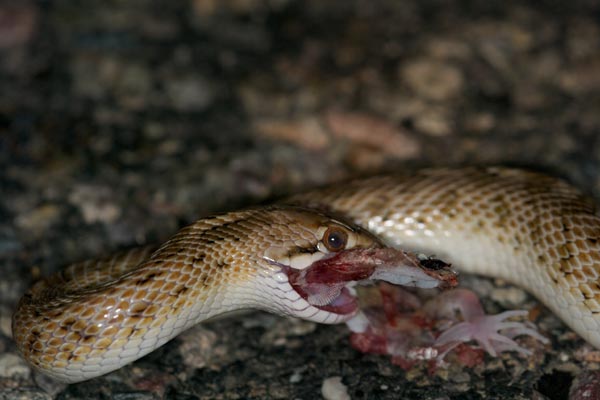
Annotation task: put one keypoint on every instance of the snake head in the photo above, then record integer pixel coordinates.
(314, 273)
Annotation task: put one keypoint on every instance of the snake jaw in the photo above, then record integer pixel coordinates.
(327, 283)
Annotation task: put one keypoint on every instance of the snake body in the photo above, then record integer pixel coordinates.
(530, 229)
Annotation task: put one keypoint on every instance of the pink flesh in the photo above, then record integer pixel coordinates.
(323, 283)
(407, 329)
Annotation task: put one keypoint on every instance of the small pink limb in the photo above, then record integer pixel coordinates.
(494, 333)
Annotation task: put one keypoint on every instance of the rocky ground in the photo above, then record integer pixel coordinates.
(122, 121)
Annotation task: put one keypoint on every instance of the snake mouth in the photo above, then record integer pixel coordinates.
(337, 298)
(327, 284)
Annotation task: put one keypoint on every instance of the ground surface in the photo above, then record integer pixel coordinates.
(122, 121)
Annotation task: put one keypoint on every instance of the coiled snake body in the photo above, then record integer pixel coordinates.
(530, 229)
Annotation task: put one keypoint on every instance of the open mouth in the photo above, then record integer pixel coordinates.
(327, 283)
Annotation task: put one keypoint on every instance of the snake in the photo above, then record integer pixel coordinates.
(531, 229)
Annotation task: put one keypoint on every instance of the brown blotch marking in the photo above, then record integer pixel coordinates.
(144, 322)
(96, 301)
(140, 295)
(75, 359)
(208, 280)
(174, 276)
(156, 285)
(54, 342)
(92, 330)
(182, 290)
(53, 314)
(95, 353)
(138, 332)
(79, 325)
(147, 278)
(60, 332)
(51, 351)
(565, 267)
(587, 292)
(73, 337)
(563, 251)
(77, 309)
(87, 313)
(572, 248)
(117, 319)
(138, 308)
(577, 273)
(89, 339)
(124, 305)
(47, 359)
(586, 258)
(69, 347)
(125, 332)
(179, 303)
(82, 350)
(150, 296)
(131, 321)
(102, 343)
(67, 322)
(588, 270)
(160, 298)
(109, 302)
(169, 300)
(119, 343)
(199, 259)
(110, 331)
(592, 305)
(161, 312)
(51, 327)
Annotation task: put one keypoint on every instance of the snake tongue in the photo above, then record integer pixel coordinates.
(323, 284)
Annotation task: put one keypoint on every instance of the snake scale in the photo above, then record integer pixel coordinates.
(533, 230)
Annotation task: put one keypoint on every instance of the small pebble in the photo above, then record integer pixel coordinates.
(334, 389)
(39, 220)
(373, 132)
(13, 366)
(96, 203)
(190, 93)
(308, 133)
(433, 80)
(509, 297)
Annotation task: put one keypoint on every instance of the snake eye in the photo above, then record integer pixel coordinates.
(335, 239)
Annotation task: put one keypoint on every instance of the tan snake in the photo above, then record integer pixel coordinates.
(530, 229)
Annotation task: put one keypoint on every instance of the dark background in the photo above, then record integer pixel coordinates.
(121, 121)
